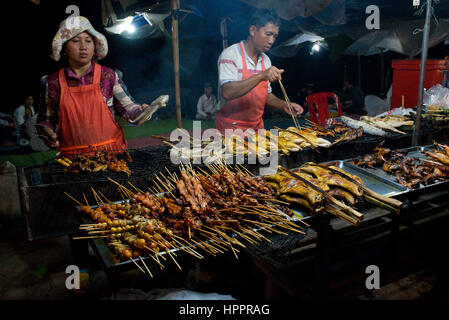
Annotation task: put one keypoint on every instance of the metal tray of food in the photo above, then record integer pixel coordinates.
(378, 184)
(110, 262)
(412, 152)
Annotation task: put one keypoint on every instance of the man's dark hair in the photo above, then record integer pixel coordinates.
(261, 18)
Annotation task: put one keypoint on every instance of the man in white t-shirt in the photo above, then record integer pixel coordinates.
(24, 112)
(245, 73)
(207, 104)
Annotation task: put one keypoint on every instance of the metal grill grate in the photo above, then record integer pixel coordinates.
(146, 162)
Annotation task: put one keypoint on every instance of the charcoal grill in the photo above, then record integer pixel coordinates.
(48, 212)
(146, 162)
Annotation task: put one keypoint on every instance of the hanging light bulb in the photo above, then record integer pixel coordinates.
(315, 48)
(130, 28)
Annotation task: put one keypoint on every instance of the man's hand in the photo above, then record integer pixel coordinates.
(296, 108)
(272, 74)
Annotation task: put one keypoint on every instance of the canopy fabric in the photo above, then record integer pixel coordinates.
(401, 37)
(290, 9)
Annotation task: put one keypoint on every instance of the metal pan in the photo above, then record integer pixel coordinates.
(107, 256)
(412, 152)
(378, 184)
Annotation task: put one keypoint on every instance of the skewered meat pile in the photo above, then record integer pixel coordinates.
(436, 115)
(192, 210)
(338, 127)
(349, 135)
(260, 144)
(326, 188)
(409, 172)
(101, 161)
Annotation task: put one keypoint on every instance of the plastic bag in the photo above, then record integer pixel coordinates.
(437, 96)
(397, 112)
(375, 105)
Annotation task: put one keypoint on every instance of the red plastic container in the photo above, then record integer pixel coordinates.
(406, 80)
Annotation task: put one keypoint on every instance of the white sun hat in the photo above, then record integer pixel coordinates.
(73, 26)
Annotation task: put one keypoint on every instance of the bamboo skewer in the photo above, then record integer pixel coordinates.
(92, 237)
(173, 258)
(382, 204)
(146, 267)
(155, 258)
(289, 105)
(342, 215)
(188, 250)
(74, 199)
(85, 199)
(233, 251)
(140, 268)
(137, 189)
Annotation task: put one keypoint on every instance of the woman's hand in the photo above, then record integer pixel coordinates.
(54, 144)
(50, 137)
(143, 107)
(296, 108)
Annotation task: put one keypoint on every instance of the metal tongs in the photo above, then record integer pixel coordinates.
(146, 115)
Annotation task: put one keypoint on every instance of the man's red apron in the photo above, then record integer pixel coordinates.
(85, 122)
(244, 112)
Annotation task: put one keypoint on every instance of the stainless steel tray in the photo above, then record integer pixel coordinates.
(413, 152)
(378, 184)
(107, 256)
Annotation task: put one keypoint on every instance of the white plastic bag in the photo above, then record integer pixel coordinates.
(375, 105)
(437, 96)
(397, 112)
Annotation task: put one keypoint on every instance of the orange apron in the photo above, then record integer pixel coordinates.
(246, 111)
(85, 122)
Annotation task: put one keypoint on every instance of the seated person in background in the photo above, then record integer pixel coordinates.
(7, 129)
(24, 112)
(356, 104)
(207, 105)
(304, 93)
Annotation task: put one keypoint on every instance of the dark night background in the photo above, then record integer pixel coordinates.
(147, 63)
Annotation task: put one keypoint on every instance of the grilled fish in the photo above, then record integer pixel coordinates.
(367, 128)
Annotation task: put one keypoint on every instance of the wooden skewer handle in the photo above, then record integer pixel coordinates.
(349, 210)
(342, 215)
(382, 204)
(389, 201)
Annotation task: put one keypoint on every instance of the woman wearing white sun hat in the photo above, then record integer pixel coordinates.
(83, 96)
